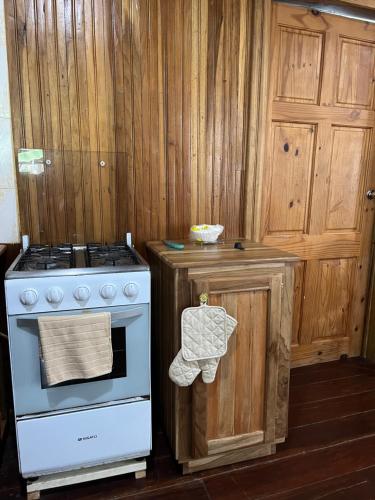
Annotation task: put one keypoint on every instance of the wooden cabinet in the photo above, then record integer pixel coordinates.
(243, 413)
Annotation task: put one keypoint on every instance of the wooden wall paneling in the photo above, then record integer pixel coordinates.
(226, 144)
(259, 70)
(176, 202)
(211, 66)
(60, 131)
(37, 32)
(156, 89)
(124, 112)
(64, 202)
(72, 159)
(143, 168)
(216, 104)
(26, 111)
(106, 117)
(157, 176)
(81, 155)
(204, 169)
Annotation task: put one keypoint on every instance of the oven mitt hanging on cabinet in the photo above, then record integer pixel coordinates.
(209, 366)
(183, 373)
(204, 334)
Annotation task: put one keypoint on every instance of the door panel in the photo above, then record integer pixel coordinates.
(292, 147)
(328, 289)
(299, 82)
(355, 82)
(318, 167)
(240, 407)
(243, 413)
(347, 166)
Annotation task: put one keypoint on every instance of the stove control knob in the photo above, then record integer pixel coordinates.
(54, 295)
(108, 291)
(82, 293)
(29, 297)
(131, 290)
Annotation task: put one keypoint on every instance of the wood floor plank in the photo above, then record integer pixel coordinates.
(330, 365)
(328, 433)
(332, 389)
(194, 490)
(224, 487)
(339, 371)
(310, 413)
(354, 486)
(283, 476)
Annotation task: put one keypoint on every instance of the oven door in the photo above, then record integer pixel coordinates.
(129, 378)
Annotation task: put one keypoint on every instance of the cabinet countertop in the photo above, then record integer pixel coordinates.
(224, 253)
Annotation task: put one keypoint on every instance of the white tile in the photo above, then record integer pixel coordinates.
(9, 221)
(9, 224)
(4, 83)
(7, 169)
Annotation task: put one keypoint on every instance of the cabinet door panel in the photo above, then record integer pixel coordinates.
(238, 408)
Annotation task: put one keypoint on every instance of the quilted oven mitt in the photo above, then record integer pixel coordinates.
(183, 372)
(209, 366)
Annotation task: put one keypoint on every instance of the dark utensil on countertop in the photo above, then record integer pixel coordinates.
(238, 246)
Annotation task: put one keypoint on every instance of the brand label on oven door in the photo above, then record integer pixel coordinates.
(85, 438)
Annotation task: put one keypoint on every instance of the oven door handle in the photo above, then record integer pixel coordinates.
(117, 319)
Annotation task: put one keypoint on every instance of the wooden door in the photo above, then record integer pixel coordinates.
(319, 164)
(239, 408)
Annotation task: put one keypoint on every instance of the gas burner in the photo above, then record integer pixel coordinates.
(118, 254)
(45, 257)
(64, 259)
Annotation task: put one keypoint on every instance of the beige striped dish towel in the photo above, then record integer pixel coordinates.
(75, 347)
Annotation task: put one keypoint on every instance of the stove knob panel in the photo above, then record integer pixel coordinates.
(29, 297)
(54, 295)
(131, 290)
(108, 291)
(82, 293)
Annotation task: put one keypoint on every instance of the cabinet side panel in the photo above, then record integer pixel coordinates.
(183, 395)
(163, 346)
(284, 355)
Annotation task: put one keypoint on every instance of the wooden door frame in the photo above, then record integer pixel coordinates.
(259, 113)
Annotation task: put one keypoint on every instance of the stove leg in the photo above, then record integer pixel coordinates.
(33, 495)
(140, 474)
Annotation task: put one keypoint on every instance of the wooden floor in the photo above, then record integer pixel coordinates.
(330, 452)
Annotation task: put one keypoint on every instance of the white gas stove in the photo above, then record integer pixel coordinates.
(80, 423)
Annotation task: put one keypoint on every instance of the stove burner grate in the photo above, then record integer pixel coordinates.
(65, 256)
(44, 257)
(118, 254)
